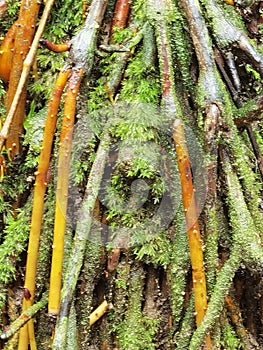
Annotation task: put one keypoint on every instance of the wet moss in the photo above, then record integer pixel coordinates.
(250, 181)
(121, 290)
(72, 335)
(139, 85)
(136, 332)
(245, 234)
(85, 292)
(182, 49)
(229, 339)
(183, 336)
(14, 243)
(259, 138)
(178, 268)
(211, 247)
(45, 245)
(225, 23)
(216, 303)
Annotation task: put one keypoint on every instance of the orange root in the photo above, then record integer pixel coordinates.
(54, 47)
(6, 54)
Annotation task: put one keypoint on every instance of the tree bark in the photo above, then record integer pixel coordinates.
(151, 184)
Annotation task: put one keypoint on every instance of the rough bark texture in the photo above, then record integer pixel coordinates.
(151, 182)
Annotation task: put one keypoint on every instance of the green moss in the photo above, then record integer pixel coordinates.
(225, 23)
(211, 89)
(12, 7)
(249, 106)
(139, 8)
(46, 240)
(230, 341)
(182, 337)
(136, 332)
(211, 247)
(250, 181)
(136, 187)
(90, 270)
(139, 85)
(121, 287)
(255, 75)
(34, 131)
(245, 234)
(155, 249)
(10, 16)
(216, 303)
(179, 267)
(14, 243)
(72, 335)
(259, 139)
(121, 36)
(58, 30)
(19, 174)
(49, 63)
(83, 151)
(134, 129)
(98, 104)
(181, 49)
(137, 337)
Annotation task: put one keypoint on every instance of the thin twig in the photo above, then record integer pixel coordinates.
(98, 313)
(25, 317)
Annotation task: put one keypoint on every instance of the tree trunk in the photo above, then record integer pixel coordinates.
(131, 217)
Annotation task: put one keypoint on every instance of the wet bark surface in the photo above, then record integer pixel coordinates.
(147, 197)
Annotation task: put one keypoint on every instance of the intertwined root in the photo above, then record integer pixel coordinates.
(211, 101)
(228, 37)
(217, 69)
